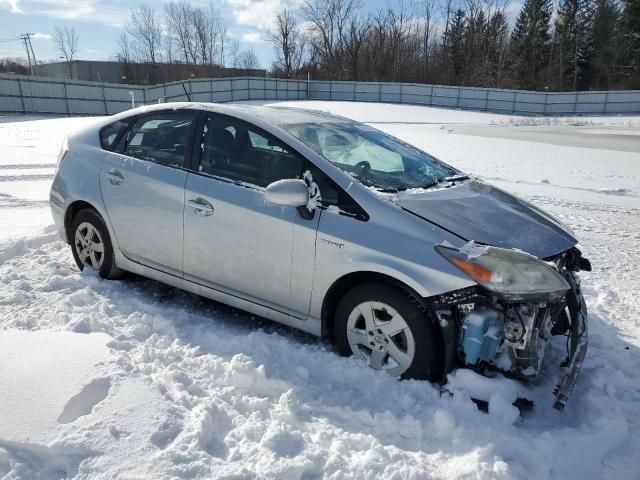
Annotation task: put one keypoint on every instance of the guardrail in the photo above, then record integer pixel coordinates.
(36, 95)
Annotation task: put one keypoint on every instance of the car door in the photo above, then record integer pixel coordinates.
(142, 184)
(233, 240)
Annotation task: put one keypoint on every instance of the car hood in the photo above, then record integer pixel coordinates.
(474, 210)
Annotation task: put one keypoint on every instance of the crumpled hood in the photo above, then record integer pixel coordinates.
(477, 211)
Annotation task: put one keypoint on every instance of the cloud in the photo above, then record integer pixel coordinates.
(92, 11)
(11, 5)
(256, 13)
(42, 36)
(253, 37)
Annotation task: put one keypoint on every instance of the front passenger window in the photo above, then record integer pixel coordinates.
(237, 151)
(162, 138)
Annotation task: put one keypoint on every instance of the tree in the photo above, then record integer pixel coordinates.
(66, 42)
(285, 38)
(124, 48)
(328, 21)
(178, 16)
(475, 47)
(234, 54)
(146, 32)
(497, 49)
(455, 46)
(530, 44)
(628, 62)
(248, 60)
(565, 44)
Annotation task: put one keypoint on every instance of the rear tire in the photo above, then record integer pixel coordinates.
(91, 245)
(391, 329)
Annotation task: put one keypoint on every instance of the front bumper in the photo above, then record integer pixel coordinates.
(578, 342)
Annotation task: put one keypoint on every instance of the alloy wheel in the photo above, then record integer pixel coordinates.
(89, 245)
(378, 334)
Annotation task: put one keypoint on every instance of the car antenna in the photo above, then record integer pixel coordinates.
(185, 91)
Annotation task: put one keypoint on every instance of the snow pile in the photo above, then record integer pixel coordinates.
(134, 379)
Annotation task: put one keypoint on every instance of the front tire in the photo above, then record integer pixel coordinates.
(91, 245)
(391, 329)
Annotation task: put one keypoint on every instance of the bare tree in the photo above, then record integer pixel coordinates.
(146, 31)
(178, 16)
(217, 35)
(425, 11)
(124, 48)
(67, 44)
(234, 53)
(285, 38)
(329, 21)
(355, 37)
(248, 60)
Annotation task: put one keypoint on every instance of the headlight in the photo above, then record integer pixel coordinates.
(509, 273)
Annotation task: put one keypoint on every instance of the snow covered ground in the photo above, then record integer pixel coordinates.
(133, 379)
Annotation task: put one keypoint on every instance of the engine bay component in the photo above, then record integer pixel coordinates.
(482, 332)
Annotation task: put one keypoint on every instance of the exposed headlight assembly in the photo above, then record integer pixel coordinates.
(510, 274)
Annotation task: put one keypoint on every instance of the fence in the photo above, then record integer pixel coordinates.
(29, 95)
(22, 94)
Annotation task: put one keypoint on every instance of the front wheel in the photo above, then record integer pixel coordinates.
(91, 244)
(391, 330)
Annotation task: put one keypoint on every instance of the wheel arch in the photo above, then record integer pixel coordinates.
(72, 210)
(345, 283)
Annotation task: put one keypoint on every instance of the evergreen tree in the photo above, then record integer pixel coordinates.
(530, 45)
(497, 49)
(565, 45)
(599, 50)
(475, 48)
(455, 46)
(628, 64)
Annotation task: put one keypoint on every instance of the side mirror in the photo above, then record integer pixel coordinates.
(290, 192)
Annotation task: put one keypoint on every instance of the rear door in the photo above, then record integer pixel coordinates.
(235, 241)
(142, 184)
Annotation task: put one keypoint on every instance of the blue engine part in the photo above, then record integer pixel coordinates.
(482, 332)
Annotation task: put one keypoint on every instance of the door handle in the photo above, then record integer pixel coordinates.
(201, 207)
(115, 177)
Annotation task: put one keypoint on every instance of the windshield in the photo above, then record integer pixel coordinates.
(375, 158)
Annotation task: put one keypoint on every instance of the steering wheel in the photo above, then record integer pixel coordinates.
(363, 165)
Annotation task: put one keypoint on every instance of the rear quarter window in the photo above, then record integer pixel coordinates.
(110, 134)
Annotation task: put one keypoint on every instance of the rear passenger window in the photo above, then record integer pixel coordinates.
(162, 138)
(109, 134)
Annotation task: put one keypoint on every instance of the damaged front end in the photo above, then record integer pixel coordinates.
(506, 322)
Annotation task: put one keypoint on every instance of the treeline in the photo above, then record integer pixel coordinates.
(181, 33)
(14, 65)
(576, 45)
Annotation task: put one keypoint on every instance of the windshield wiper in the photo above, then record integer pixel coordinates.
(456, 178)
(390, 189)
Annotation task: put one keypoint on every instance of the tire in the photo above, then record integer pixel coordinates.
(88, 235)
(413, 352)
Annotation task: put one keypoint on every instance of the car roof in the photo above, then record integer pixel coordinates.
(279, 115)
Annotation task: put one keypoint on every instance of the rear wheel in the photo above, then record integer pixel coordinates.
(91, 245)
(390, 329)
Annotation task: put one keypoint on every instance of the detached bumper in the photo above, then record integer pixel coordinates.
(578, 343)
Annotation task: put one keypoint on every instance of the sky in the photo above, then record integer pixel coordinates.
(100, 22)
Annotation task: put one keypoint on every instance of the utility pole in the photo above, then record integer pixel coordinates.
(31, 57)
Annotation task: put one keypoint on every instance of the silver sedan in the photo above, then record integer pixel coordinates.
(329, 226)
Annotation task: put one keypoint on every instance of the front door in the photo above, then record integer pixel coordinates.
(142, 185)
(233, 240)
